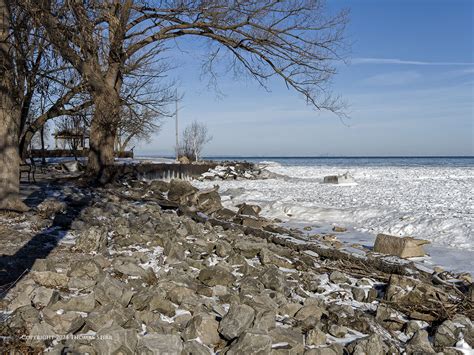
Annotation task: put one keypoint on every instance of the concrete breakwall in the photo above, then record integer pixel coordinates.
(160, 171)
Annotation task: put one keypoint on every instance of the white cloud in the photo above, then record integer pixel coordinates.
(402, 62)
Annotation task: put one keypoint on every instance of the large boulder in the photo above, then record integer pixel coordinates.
(117, 340)
(236, 321)
(50, 279)
(406, 247)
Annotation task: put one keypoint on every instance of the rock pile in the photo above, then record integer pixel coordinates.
(236, 171)
(163, 269)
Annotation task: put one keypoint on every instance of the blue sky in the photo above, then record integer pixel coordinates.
(409, 86)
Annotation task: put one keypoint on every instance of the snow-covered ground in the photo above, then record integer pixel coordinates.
(429, 201)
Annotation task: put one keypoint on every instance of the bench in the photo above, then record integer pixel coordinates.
(29, 168)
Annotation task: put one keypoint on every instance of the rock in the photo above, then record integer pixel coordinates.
(333, 349)
(445, 335)
(50, 279)
(358, 293)
(252, 342)
(50, 207)
(315, 337)
(179, 294)
(373, 345)
(389, 318)
(216, 275)
(159, 186)
(154, 343)
(289, 309)
(236, 321)
(93, 239)
(130, 269)
(193, 347)
(309, 311)
(204, 327)
(273, 279)
(264, 320)
(86, 269)
(338, 277)
(63, 323)
(106, 316)
(249, 210)
(43, 297)
(258, 223)
(24, 318)
(85, 303)
(339, 229)
(208, 201)
(420, 344)
(179, 190)
(339, 331)
(112, 291)
(291, 336)
(157, 303)
(117, 340)
(406, 247)
(40, 334)
(223, 248)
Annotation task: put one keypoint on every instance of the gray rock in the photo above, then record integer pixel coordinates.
(223, 248)
(91, 240)
(445, 335)
(193, 347)
(50, 279)
(406, 247)
(264, 320)
(84, 303)
(63, 323)
(107, 316)
(309, 311)
(180, 294)
(236, 321)
(315, 337)
(333, 349)
(204, 327)
(359, 294)
(216, 275)
(117, 340)
(85, 269)
(419, 343)
(252, 342)
(24, 317)
(180, 189)
(338, 277)
(110, 290)
(39, 334)
(249, 210)
(158, 303)
(292, 336)
(339, 331)
(163, 344)
(373, 344)
(273, 279)
(44, 297)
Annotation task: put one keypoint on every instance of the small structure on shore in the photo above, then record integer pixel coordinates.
(344, 179)
(77, 140)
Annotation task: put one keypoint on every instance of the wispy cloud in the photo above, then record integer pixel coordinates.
(395, 78)
(404, 62)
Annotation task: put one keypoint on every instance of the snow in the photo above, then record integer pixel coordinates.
(433, 202)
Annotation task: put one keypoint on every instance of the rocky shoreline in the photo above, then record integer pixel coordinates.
(163, 268)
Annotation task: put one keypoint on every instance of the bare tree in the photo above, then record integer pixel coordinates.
(136, 125)
(9, 119)
(291, 39)
(195, 137)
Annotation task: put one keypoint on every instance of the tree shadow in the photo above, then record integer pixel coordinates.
(14, 268)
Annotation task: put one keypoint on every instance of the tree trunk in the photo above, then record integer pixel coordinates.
(103, 132)
(43, 158)
(9, 122)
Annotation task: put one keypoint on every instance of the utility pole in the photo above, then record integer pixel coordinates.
(177, 133)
